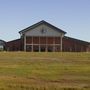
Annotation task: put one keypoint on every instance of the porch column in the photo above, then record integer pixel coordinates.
(53, 44)
(46, 44)
(32, 43)
(24, 42)
(39, 45)
(61, 42)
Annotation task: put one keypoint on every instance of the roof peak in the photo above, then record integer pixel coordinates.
(39, 23)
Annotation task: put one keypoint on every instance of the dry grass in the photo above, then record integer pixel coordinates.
(44, 71)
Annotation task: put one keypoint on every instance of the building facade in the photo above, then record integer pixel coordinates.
(44, 37)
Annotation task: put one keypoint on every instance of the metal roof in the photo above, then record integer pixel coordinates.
(39, 23)
(2, 42)
(77, 40)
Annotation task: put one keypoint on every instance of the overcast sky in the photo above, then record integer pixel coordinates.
(72, 16)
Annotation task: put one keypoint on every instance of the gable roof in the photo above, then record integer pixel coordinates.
(77, 40)
(39, 23)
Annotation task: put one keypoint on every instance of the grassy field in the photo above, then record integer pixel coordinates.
(44, 71)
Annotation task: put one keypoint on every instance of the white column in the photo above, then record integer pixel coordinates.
(39, 45)
(46, 45)
(61, 42)
(32, 43)
(53, 44)
(24, 42)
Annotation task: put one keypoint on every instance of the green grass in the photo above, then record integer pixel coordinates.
(44, 71)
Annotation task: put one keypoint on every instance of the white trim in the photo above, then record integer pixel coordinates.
(39, 44)
(61, 43)
(45, 44)
(32, 44)
(24, 43)
(54, 44)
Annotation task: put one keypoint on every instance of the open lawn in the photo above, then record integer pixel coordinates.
(44, 71)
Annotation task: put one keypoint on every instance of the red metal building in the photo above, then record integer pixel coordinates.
(44, 37)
